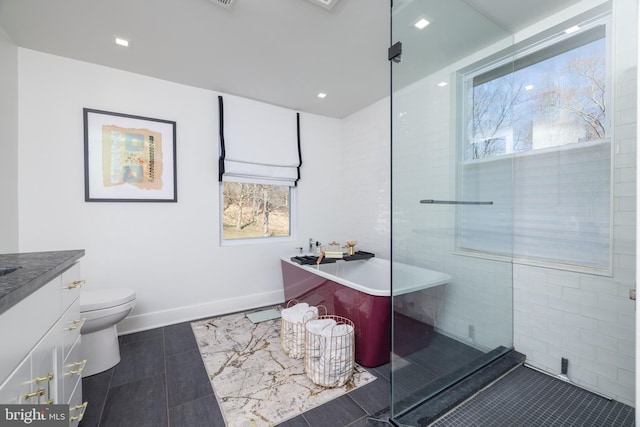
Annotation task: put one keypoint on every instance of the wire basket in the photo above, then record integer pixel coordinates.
(292, 334)
(329, 350)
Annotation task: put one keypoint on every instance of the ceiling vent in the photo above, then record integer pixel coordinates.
(327, 4)
(224, 3)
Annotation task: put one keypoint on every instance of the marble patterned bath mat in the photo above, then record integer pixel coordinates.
(255, 382)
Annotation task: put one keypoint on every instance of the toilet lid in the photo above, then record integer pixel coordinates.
(96, 299)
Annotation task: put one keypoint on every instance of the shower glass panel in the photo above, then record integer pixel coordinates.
(451, 200)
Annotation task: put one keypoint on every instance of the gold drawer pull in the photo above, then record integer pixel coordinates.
(45, 378)
(77, 407)
(37, 393)
(75, 324)
(75, 284)
(79, 370)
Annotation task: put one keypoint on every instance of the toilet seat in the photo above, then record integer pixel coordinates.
(98, 299)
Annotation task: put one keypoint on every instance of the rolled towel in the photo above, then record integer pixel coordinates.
(317, 326)
(336, 346)
(292, 334)
(329, 374)
(298, 312)
(336, 330)
(315, 336)
(333, 363)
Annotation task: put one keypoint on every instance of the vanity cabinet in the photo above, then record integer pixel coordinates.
(42, 363)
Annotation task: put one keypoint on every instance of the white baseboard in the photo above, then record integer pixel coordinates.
(156, 319)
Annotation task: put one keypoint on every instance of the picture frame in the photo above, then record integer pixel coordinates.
(129, 158)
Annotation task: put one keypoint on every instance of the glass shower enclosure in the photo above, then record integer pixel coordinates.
(501, 156)
(444, 332)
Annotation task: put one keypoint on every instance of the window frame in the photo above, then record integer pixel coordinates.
(293, 197)
(465, 83)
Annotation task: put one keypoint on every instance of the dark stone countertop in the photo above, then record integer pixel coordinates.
(36, 270)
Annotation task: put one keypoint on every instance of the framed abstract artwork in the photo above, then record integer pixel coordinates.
(128, 158)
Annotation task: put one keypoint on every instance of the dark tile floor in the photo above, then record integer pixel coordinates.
(428, 366)
(161, 381)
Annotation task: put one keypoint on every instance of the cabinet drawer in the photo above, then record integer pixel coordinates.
(72, 370)
(70, 326)
(72, 281)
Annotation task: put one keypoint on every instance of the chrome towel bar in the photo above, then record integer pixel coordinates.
(452, 202)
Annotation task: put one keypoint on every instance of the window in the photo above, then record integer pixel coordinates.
(537, 144)
(259, 167)
(255, 210)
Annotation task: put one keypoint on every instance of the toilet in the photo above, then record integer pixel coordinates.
(102, 309)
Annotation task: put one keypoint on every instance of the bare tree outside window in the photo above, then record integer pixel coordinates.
(581, 93)
(255, 210)
(492, 117)
(556, 101)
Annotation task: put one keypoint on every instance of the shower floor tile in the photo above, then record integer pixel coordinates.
(526, 397)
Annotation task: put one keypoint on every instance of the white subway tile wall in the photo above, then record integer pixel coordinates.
(364, 166)
(590, 319)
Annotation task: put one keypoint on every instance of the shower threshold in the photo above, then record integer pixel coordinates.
(491, 367)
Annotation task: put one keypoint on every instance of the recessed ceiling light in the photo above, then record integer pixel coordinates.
(442, 84)
(572, 29)
(322, 95)
(421, 23)
(528, 87)
(121, 42)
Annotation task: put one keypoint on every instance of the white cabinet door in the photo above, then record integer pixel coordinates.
(44, 365)
(24, 324)
(17, 388)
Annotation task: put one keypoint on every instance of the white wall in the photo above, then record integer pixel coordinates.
(168, 252)
(8, 144)
(365, 187)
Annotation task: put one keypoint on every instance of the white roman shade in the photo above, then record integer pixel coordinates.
(259, 143)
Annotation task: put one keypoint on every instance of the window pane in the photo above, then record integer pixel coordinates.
(537, 147)
(255, 210)
(554, 101)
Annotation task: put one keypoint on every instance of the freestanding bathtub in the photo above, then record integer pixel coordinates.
(359, 290)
